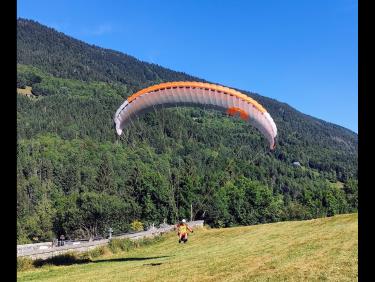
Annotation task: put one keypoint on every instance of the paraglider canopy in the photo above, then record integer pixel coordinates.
(197, 94)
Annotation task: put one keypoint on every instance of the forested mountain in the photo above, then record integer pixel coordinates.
(76, 177)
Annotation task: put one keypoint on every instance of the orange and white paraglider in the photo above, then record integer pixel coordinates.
(197, 94)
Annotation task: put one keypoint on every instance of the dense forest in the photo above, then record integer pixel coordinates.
(76, 177)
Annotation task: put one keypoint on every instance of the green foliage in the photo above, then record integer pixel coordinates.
(90, 214)
(96, 252)
(246, 202)
(120, 245)
(47, 49)
(136, 225)
(28, 77)
(76, 177)
(125, 245)
(351, 193)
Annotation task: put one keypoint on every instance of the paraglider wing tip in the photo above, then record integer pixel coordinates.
(273, 144)
(119, 131)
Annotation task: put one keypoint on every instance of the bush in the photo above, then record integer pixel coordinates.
(28, 78)
(97, 252)
(136, 225)
(296, 211)
(119, 245)
(24, 263)
(39, 90)
(21, 83)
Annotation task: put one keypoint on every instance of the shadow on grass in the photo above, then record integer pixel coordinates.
(70, 259)
(130, 259)
(153, 264)
(67, 259)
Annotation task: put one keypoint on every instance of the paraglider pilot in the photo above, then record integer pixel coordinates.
(182, 231)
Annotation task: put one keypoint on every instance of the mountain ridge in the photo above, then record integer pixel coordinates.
(180, 75)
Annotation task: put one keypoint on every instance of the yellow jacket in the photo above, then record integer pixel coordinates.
(183, 228)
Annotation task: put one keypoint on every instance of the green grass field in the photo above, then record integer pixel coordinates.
(313, 250)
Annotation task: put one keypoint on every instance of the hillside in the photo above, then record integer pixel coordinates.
(70, 163)
(65, 57)
(320, 249)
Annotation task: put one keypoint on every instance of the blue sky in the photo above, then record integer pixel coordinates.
(301, 52)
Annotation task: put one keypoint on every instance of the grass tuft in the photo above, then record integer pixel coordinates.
(24, 264)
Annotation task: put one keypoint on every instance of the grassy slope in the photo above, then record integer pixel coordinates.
(320, 249)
